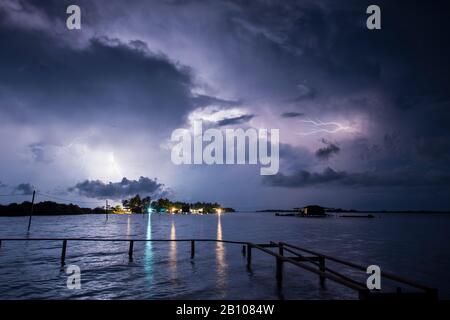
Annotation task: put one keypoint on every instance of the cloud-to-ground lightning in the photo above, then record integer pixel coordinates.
(325, 127)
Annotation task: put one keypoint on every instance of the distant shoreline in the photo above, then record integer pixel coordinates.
(50, 208)
(365, 211)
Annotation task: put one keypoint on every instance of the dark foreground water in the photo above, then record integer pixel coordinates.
(411, 245)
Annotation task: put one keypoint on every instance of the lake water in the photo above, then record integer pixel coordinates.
(415, 246)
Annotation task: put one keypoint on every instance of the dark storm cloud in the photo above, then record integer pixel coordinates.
(434, 148)
(327, 151)
(291, 153)
(52, 8)
(292, 157)
(118, 190)
(303, 178)
(202, 100)
(292, 114)
(45, 15)
(410, 58)
(323, 41)
(329, 177)
(235, 120)
(319, 41)
(328, 40)
(24, 188)
(123, 79)
(392, 84)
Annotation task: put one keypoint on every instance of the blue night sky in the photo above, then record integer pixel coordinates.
(363, 114)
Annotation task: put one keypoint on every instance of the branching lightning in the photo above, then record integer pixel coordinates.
(322, 127)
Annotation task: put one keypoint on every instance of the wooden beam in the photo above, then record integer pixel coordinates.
(267, 245)
(305, 258)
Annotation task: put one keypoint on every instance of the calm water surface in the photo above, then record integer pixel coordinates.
(416, 246)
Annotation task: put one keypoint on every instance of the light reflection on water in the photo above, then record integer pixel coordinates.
(413, 246)
(148, 256)
(173, 251)
(220, 258)
(129, 226)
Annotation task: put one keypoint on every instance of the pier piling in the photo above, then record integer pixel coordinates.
(322, 268)
(63, 253)
(279, 273)
(249, 255)
(31, 210)
(130, 251)
(280, 249)
(243, 250)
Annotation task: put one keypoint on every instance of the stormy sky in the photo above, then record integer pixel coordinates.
(363, 114)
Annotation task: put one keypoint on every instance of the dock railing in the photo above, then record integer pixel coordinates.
(313, 262)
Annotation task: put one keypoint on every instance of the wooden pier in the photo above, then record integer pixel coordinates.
(305, 259)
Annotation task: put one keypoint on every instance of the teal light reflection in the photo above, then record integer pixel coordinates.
(148, 253)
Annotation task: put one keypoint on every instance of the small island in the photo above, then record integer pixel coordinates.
(134, 205)
(319, 211)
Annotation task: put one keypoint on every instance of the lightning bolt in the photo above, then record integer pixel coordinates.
(321, 127)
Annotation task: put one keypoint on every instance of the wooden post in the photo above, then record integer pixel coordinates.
(280, 265)
(249, 255)
(243, 250)
(130, 251)
(63, 253)
(31, 210)
(192, 249)
(279, 274)
(322, 268)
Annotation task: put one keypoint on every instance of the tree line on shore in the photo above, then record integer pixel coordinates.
(134, 204)
(137, 204)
